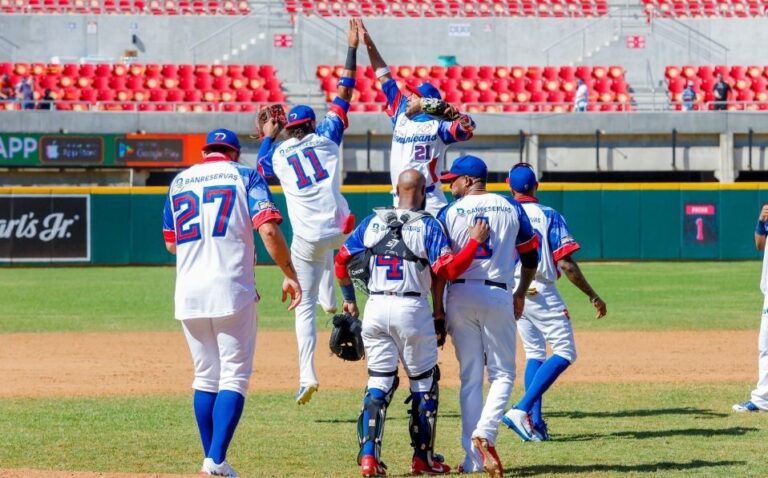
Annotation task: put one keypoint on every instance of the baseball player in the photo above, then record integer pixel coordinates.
(208, 219)
(545, 318)
(405, 247)
(326, 296)
(420, 140)
(759, 399)
(481, 303)
(307, 166)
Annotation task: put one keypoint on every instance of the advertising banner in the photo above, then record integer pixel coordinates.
(45, 228)
(102, 150)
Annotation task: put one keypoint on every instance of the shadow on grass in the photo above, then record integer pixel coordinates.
(685, 432)
(618, 468)
(649, 412)
(390, 416)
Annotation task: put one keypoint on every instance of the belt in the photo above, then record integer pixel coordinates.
(489, 283)
(398, 294)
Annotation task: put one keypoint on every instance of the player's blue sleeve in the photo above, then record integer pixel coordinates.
(435, 240)
(169, 228)
(332, 126)
(560, 239)
(355, 243)
(264, 161)
(397, 103)
(442, 218)
(452, 132)
(261, 205)
(526, 239)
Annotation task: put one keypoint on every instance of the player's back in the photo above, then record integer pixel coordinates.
(495, 259)
(209, 205)
(555, 240)
(394, 274)
(308, 169)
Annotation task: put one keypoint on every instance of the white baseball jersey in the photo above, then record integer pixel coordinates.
(419, 142)
(210, 213)
(555, 240)
(511, 234)
(308, 170)
(425, 237)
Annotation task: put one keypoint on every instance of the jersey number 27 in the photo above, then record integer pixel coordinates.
(186, 208)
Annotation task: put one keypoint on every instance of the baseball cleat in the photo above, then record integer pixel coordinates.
(747, 406)
(370, 468)
(520, 423)
(491, 462)
(540, 432)
(421, 467)
(212, 469)
(304, 395)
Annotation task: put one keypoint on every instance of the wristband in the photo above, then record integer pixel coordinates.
(594, 299)
(384, 70)
(348, 292)
(761, 228)
(351, 63)
(347, 82)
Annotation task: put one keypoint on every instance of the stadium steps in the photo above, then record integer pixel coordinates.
(305, 93)
(648, 98)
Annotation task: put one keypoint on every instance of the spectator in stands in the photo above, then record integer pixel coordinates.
(582, 96)
(721, 90)
(7, 92)
(46, 102)
(25, 92)
(689, 97)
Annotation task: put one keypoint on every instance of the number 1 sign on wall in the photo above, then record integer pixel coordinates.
(700, 224)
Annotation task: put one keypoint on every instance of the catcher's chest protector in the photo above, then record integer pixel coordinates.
(391, 245)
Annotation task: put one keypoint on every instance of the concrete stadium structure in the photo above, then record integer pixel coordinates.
(653, 138)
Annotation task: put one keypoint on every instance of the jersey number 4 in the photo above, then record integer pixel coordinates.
(302, 179)
(186, 208)
(393, 264)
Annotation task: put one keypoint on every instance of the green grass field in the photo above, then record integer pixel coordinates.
(640, 296)
(598, 430)
(664, 429)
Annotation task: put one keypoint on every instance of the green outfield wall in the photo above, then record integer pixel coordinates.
(117, 226)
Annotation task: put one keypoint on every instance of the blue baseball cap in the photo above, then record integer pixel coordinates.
(468, 165)
(222, 137)
(300, 114)
(425, 90)
(522, 178)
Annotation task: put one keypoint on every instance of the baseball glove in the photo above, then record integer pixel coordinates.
(273, 111)
(434, 107)
(346, 338)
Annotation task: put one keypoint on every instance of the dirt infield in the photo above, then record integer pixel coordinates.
(101, 364)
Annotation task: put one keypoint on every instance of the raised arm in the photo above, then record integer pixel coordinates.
(761, 230)
(346, 86)
(377, 62)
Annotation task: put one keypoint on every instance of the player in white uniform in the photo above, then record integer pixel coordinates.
(402, 248)
(759, 398)
(419, 141)
(545, 318)
(209, 216)
(307, 166)
(481, 305)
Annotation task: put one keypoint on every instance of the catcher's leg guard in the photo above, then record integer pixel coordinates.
(423, 421)
(370, 424)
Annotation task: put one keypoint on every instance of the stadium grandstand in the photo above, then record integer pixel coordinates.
(136, 69)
